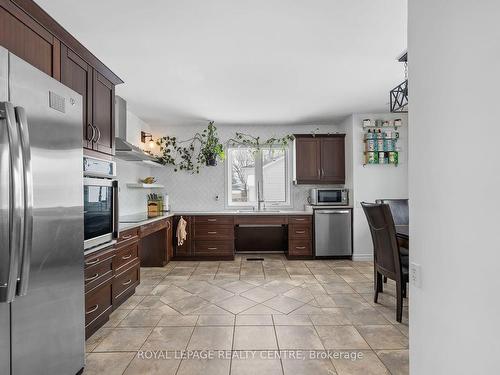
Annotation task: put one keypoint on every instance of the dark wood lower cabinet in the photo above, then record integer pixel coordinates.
(217, 237)
(111, 276)
(98, 281)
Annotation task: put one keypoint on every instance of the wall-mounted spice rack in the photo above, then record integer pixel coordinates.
(380, 142)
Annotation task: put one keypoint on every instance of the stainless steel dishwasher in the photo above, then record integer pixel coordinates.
(333, 232)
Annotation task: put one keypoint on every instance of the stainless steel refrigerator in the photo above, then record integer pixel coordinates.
(41, 223)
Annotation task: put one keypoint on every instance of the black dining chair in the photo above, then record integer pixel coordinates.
(400, 214)
(399, 210)
(387, 257)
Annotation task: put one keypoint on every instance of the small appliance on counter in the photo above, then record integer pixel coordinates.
(329, 197)
(157, 204)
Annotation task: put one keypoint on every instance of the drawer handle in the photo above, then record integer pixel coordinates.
(93, 309)
(127, 282)
(92, 262)
(211, 220)
(127, 257)
(299, 219)
(300, 247)
(212, 232)
(127, 237)
(92, 278)
(212, 248)
(300, 231)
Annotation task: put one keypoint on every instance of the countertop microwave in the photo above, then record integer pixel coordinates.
(329, 197)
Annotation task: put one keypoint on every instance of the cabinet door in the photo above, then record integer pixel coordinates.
(28, 40)
(307, 160)
(103, 113)
(184, 250)
(77, 75)
(170, 240)
(333, 160)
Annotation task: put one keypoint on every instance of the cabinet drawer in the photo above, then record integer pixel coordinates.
(261, 219)
(299, 248)
(98, 302)
(213, 248)
(216, 231)
(98, 269)
(303, 219)
(299, 231)
(128, 235)
(126, 255)
(127, 279)
(225, 219)
(153, 227)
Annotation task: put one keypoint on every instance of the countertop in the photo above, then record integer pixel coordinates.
(128, 225)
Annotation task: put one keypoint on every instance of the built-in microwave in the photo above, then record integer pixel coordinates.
(329, 197)
(100, 202)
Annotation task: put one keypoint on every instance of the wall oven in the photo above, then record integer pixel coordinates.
(329, 197)
(100, 202)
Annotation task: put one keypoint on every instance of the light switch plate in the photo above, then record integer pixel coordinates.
(415, 275)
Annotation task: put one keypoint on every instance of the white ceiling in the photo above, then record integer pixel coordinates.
(244, 61)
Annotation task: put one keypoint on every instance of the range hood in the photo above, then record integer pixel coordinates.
(125, 150)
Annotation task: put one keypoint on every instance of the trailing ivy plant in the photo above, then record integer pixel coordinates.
(248, 140)
(189, 155)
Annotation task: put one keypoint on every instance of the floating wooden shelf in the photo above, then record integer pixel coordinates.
(145, 186)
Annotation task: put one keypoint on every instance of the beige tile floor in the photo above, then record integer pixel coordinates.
(252, 310)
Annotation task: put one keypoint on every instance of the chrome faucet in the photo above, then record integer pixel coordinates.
(260, 200)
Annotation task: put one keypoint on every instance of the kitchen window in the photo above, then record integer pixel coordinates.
(253, 173)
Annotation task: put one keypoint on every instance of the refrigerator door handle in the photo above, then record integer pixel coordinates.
(116, 229)
(27, 239)
(16, 203)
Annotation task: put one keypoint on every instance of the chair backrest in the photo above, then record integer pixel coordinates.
(399, 210)
(385, 243)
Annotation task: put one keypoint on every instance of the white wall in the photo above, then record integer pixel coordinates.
(130, 200)
(454, 49)
(373, 182)
(197, 192)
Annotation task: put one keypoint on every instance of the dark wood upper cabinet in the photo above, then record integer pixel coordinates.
(77, 75)
(28, 40)
(320, 159)
(333, 160)
(103, 114)
(308, 159)
(30, 33)
(98, 97)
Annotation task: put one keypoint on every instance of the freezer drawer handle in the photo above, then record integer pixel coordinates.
(92, 278)
(27, 240)
(93, 309)
(16, 204)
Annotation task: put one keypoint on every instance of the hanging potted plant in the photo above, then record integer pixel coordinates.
(212, 149)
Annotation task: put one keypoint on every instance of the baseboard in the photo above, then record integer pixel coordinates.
(362, 257)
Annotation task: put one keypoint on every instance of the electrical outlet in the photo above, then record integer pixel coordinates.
(217, 197)
(415, 275)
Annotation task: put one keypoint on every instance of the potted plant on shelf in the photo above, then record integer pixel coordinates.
(212, 149)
